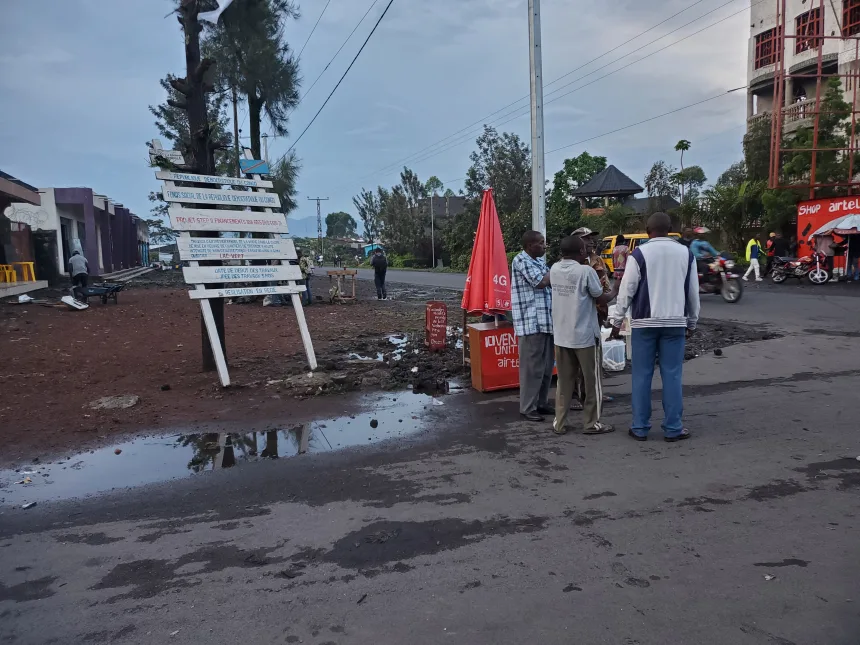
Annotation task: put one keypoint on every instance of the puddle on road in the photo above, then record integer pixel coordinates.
(160, 458)
(399, 343)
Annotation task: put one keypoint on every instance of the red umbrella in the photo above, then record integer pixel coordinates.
(488, 284)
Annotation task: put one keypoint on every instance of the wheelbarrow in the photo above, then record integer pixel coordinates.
(104, 290)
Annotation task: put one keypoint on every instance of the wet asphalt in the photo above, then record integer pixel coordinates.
(479, 528)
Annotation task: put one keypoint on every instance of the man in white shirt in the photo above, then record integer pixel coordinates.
(661, 289)
(576, 293)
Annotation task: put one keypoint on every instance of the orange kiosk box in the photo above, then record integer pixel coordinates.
(495, 356)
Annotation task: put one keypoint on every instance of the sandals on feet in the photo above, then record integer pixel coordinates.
(600, 428)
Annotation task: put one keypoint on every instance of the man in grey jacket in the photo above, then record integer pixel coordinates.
(79, 270)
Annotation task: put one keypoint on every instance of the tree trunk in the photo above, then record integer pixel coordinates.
(202, 152)
(255, 108)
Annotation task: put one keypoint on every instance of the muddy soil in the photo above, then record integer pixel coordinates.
(57, 361)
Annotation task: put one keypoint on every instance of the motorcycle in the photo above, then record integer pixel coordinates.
(722, 279)
(812, 267)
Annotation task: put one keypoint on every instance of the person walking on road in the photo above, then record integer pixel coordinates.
(576, 293)
(79, 269)
(380, 267)
(531, 308)
(619, 256)
(661, 288)
(753, 253)
(770, 254)
(305, 267)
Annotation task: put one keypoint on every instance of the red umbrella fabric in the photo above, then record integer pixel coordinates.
(488, 284)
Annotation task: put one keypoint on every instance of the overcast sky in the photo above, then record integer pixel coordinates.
(76, 78)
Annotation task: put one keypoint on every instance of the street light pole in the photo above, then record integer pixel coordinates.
(536, 69)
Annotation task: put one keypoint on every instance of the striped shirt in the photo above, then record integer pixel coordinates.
(531, 307)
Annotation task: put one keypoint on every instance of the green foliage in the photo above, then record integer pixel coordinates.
(732, 207)
(251, 55)
(402, 217)
(449, 193)
(433, 185)
(340, 225)
(159, 232)
(757, 149)
(172, 124)
(780, 209)
(284, 176)
(405, 261)
(660, 184)
(832, 166)
(503, 163)
(369, 208)
(575, 173)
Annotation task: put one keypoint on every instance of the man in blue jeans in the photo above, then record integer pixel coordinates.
(660, 288)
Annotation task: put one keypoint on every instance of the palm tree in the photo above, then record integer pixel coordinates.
(682, 146)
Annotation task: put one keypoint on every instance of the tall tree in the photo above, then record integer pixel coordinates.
(367, 204)
(501, 162)
(574, 174)
(433, 185)
(284, 176)
(660, 184)
(682, 146)
(340, 224)
(248, 44)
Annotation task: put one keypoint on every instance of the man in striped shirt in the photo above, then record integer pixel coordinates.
(661, 290)
(531, 308)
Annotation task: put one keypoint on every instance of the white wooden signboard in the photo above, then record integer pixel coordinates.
(221, 197)
(234, 248)
(166, 175)
(242, 273)
(193, 219)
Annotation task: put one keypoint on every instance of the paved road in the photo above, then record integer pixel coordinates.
(486, 530)
(420, 278)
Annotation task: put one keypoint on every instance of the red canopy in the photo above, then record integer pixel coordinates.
(488, 285)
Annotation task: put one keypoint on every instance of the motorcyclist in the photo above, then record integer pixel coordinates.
(702, 250)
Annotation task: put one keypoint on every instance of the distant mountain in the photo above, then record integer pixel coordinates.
(303, 227)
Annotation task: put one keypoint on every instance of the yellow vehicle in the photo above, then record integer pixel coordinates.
(633, 240)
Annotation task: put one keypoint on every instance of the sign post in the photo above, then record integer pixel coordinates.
(436, 325)
(238, 251)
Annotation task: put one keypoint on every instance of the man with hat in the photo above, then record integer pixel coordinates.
(595, 262)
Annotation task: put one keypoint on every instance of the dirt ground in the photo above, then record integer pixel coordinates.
(57, 361)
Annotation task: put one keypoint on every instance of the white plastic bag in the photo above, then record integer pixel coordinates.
(614, 358)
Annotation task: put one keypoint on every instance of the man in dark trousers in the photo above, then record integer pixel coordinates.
(380, 267)
(79, 269)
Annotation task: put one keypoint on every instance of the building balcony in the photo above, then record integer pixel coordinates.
(794, 116)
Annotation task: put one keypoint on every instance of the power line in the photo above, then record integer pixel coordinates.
(518, 112)
(632, 125)
(308, 91)
(366, 40)
(312, 31)
(481, 121)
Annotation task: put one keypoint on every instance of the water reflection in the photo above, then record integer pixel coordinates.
(161, 458)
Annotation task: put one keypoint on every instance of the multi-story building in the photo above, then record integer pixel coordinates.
(804, 18)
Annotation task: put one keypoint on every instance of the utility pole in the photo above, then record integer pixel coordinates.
(432, 233)
(265, 138)
(319, 220)
(236, 130)
(536, 68)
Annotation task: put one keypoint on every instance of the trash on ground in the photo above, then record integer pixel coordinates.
(28, 505)
(362, 599)
(718, 352)
(26, 480)
(118, 451)
(174, 633)
(74, 304)
(769, 577)
(374, 423)
(23, 299)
